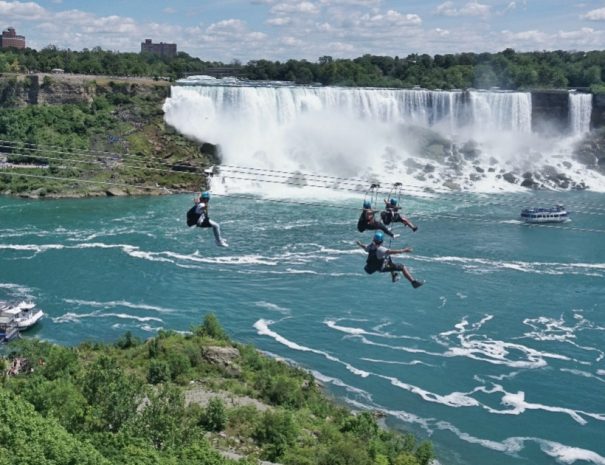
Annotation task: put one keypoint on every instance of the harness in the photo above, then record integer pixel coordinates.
(193, 217)
(373, 263)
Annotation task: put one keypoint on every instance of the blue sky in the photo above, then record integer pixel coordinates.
(244, 30)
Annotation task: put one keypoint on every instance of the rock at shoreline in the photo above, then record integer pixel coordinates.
(115, 192)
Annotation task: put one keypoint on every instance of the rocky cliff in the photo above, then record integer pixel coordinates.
(121, 118)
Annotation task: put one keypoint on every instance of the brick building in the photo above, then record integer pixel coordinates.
(10, 39)
(162, 49)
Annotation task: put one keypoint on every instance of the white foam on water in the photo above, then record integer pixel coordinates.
(484, 265)
(273, 307)
(71, 317)
(121, 303)
(453, 399)
(397, 362)
(518, 404)
(332, 323)
(568, 454)
(557, 329)
(340, 383)
(406, 417)
(262, 328)
(479, 347)
(582, 373)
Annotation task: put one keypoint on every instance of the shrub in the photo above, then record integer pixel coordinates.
(159, 372)
(215, 417)
(211, 328)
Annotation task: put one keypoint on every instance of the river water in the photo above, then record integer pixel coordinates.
(498, 359)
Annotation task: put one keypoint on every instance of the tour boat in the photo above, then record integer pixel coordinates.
(556, 214)
(8, 327)
(25, 313)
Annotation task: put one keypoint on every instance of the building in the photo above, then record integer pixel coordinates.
(10, 39)
(162, 49)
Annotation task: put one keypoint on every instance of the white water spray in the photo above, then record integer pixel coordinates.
(417, 137)
(580, 111)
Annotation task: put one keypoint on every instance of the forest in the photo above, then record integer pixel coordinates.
(507, 69)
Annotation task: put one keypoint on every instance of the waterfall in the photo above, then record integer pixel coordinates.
(462, 139)
(502, 111)
(580, 111)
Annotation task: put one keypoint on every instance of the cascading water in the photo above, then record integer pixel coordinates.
(462, 140)
(580, 111)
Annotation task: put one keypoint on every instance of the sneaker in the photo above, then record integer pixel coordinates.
(415, 228)
(222, 243)
(416, 284)
(395, 277)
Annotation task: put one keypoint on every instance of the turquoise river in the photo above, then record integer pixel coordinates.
(498, 359)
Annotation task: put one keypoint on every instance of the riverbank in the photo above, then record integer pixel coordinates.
(194, 398)
(86, 136)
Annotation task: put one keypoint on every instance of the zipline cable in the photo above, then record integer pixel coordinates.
(295, 184)
(263, 171)
(292, 176)
(430, 216)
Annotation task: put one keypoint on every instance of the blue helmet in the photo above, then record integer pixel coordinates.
(393, 202)
(205, 195)
(367, 204)
(379, 236)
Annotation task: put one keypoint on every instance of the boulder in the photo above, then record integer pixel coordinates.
(509, 177)
(224, 358)
(115, 192)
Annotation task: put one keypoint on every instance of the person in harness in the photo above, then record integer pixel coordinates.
(198, 216)
(391, 214)
(367, 221)
(379, 259)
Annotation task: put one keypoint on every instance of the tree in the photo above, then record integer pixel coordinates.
(211, 328)
(215, 416)
(112, 394)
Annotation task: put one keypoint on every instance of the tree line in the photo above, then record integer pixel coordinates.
(506, 70)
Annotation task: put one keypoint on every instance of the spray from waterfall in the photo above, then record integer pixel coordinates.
(473, 140)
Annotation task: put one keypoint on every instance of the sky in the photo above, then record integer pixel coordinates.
(244, 30)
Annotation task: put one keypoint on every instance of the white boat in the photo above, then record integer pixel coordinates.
(25, 313)
(557, 214)
(8, 327)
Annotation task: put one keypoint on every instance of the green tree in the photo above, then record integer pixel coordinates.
(215, 416)
(211, 328)
(113, 395)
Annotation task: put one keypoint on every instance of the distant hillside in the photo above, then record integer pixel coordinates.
(107, 133)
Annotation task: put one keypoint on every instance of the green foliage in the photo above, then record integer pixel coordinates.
(424, 454)
(211, 328)
(362, 425)
(127, 341)
(215, 416)
(275, 432)
(27, 438)
(93, 397)
(159, 372)
(161, 421)
(113, 394)
(98, 61)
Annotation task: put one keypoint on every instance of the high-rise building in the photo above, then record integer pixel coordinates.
(162, 49)
(10, 39)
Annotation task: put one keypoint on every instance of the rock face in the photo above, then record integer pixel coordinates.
(224, 358)
(591, 151)
(549, 111)
(598, 111)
